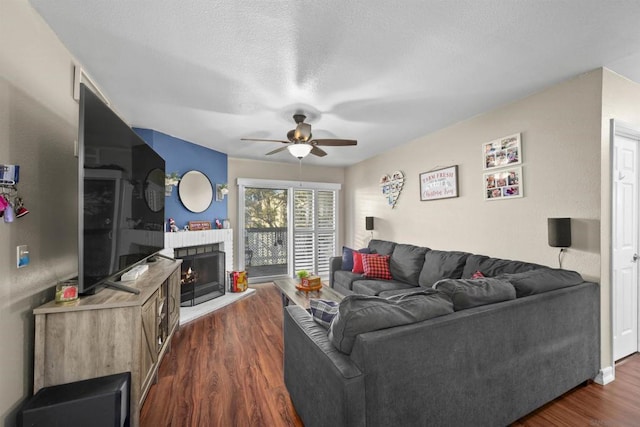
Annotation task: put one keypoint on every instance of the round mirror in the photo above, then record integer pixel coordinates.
(154, 190)
(195, 190)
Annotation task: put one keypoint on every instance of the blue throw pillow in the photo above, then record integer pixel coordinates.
(323, 311)
(347, 257)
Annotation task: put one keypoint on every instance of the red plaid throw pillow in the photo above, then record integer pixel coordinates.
(376, 266)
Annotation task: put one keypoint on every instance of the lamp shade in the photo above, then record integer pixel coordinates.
(368, 221)
(559, 232)
(299, 150)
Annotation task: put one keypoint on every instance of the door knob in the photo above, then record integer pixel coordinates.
(635, 257)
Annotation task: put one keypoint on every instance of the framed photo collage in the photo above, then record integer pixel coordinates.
(502, 180)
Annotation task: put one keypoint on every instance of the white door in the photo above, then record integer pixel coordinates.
(625, 246)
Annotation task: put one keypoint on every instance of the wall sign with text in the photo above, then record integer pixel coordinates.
(439, 184)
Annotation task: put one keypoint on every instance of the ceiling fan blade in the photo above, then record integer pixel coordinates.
(318, 151)
(277, 150)
(334, 142)
(263, 140)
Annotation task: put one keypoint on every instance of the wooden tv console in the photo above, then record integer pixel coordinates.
(110, 332)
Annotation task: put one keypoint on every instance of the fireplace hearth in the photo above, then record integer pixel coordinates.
(203, 274)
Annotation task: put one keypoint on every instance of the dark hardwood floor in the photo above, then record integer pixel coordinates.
(225, 369)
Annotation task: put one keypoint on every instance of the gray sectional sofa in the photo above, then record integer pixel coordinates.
(471, 352)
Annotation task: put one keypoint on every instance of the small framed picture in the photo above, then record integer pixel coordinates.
(439, 184)
(199, 225)
(502, 152)
(503, 184)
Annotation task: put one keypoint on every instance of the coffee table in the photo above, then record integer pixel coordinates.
(292, 295)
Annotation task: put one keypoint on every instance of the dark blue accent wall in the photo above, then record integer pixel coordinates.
(182, 156)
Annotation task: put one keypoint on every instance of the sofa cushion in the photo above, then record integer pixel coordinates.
(345, 279)
(323, 311)
(347, 257)
(492, 267)
(406, 262)
(468, 293)
(382, 247)
(358, 314)
(542, 280)
(440, 265)
(375, 287)
(376, 266)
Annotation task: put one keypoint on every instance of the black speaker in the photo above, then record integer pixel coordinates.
(96, 402)
(559, 232)
(368, 220)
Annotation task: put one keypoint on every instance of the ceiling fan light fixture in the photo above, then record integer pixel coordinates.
(299, 150)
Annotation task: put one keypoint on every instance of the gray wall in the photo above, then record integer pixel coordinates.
(38, 126)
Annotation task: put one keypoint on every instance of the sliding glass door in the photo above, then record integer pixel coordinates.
(286, 227)
(266, 238)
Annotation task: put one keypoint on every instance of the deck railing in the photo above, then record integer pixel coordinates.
(266, 246)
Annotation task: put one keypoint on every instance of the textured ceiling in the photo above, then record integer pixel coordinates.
(380, 71)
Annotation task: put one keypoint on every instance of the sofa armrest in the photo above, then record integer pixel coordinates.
(335, 264)
(315, 371)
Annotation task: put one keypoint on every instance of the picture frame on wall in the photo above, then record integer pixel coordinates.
(439, 184)
(502, 152)
(503, 184)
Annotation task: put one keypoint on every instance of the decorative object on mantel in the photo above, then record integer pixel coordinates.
(502, 152)
(199, 225)
(439, 183)
(172, 226)
(391, 186)
(170, 180)
(221, 192)
(503, 184)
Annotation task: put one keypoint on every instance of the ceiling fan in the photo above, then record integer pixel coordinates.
(300, 141)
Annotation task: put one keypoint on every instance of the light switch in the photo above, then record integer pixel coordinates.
(22, 256)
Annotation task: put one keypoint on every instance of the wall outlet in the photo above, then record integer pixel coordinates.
(22, 256)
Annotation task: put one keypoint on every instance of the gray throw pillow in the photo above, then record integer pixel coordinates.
(406, 263)
(440, 265)
(542, 280)
(381, 247)
(468, 293)
(358, 314)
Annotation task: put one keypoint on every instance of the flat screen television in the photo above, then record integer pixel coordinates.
(121, 191)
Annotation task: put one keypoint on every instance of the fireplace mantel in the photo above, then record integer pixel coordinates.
(184, 239)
